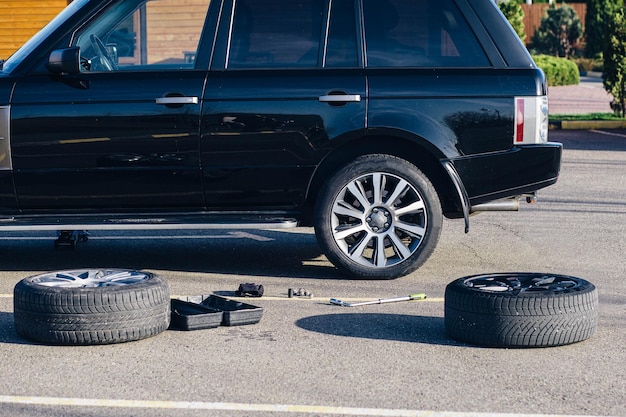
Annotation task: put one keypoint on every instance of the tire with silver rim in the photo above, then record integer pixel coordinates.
(521, 309)
(378, 218)
(91, 306)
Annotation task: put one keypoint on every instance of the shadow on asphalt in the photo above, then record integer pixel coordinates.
(290, 254)
(255, 253)
(7, 331)
(396, 327)
(586, 140)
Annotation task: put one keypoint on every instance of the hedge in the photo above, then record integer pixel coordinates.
(559, 71)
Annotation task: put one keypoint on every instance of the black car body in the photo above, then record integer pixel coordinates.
(165, 114)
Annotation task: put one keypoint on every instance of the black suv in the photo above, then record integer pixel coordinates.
(368, 119)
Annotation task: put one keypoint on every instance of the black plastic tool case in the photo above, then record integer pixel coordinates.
(235, 313)
(212, 311)
(193, 316)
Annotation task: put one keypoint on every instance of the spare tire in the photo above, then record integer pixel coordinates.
(520, 310)
(91, 306)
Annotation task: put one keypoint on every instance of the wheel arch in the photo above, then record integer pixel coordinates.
(417, 151)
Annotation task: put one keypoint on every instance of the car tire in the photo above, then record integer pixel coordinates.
(91, 306)
(520, 310)
(378, 218)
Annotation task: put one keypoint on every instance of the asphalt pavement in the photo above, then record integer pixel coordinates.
(310, 358)
(589, 96)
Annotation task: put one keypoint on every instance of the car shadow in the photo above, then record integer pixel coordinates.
(7, 331)
(594, 140)
(396, 327)
(255, 253)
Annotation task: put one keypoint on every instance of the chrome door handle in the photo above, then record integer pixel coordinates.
(340, 98)
(177, 100)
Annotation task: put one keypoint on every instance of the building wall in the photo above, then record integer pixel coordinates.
(533, 13)
(21, 19)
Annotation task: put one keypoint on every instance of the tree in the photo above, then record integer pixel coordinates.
(615, 61)
(599, 14)
(515, 15)
(559, 31)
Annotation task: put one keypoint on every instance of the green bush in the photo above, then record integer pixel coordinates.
(586, 65)
(615, 62)
(559, 31)
(599, 14)
(515, 15)
(559, 71)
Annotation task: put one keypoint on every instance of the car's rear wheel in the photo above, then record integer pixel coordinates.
(91, 306)
(520, 309)
(378, 218)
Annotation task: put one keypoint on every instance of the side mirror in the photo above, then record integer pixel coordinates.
(64, 61)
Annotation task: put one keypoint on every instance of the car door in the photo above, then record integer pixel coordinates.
(286, 83)
(122, 133)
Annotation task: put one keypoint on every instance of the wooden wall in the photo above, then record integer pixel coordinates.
(21, 19)
(533, 13)
(174, 27)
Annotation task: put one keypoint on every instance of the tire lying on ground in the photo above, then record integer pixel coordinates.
(91, 306)
(520, 310)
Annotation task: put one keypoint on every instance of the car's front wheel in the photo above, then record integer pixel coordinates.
(378, 218)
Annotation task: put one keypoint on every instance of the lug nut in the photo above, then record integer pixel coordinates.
(300, 293)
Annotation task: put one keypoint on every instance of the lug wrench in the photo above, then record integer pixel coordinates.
(419, 296)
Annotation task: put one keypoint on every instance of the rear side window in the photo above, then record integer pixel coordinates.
(419, 33)
(276, 33)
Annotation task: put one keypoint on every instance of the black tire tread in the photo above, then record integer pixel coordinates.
(84, 316)
(514, 320)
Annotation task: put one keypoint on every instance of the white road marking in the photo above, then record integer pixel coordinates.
(602, 132)
(246, 407)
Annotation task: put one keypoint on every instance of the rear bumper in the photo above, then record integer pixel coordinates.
(520, 170)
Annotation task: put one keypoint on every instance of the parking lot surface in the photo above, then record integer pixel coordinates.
(308, 357)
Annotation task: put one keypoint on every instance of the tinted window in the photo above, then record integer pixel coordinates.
(419, 33)
(276, 33)
(153, 33)
(341, 50)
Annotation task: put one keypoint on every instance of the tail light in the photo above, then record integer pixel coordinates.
(531, 120)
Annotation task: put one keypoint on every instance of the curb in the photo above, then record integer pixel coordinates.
(587, 124)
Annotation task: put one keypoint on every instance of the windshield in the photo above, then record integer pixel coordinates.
(15, 59)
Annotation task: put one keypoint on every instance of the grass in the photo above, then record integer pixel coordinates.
(588, 116)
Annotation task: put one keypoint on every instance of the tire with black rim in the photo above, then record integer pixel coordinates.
(378, 218)
(91, 306)
(521, 310)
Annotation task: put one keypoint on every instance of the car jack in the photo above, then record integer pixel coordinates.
(66, 239)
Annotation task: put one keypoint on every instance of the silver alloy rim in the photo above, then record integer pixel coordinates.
(90, 278)
(379, 220)
(522, 282)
